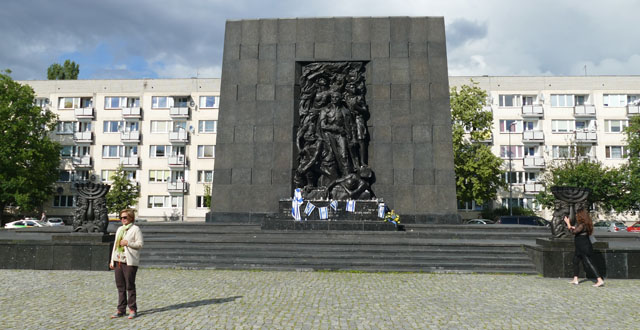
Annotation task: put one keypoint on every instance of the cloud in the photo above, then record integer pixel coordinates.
(462, 31)
(145, 38)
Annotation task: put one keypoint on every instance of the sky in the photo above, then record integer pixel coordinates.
(131, 39)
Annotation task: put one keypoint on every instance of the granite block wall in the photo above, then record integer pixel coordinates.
(410, 149)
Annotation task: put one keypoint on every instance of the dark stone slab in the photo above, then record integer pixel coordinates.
(25, 256)
(366, 210)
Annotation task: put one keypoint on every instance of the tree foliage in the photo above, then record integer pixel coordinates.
(123, 193)
(478, 170)
(607, 184)
(632, 169)
(29, 159)
(207, 196)
(68, 71)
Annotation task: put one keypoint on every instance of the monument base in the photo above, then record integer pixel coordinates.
(353, 225)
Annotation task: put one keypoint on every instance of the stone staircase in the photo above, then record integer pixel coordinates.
(421, 248)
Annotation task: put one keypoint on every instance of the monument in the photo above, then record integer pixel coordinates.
(342, 108)
(91, 215)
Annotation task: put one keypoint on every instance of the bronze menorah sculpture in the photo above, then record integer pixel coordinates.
(91, 213)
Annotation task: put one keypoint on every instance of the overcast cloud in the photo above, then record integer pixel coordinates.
(177, 39)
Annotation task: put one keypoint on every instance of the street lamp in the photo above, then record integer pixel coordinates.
(509, 204)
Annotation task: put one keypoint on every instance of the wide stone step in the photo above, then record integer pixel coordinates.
(367, 265)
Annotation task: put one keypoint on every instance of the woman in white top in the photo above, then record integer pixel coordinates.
(125, 258)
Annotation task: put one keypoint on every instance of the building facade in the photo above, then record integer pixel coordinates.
(542, 120)
(162, 131)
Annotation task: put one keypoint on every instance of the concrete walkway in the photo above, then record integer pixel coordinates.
(213, 299)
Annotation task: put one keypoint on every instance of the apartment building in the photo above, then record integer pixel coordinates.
(542, 120)
(162, 131)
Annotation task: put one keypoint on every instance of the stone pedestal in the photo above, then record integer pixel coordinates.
(73, 251)
(553, 257)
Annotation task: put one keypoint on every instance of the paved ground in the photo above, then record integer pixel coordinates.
(213, 299)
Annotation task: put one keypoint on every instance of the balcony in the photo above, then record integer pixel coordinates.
(132, 161)
(179, 112)
(81, 161)
(533, 188)
(585, 110)
(179, 160)
(532, 111)
(179, 137)
(84, 113)
(177, 187)
(83, 137)
(533, 163)
(586, 137)
(132, 113)
(130, 137)
(533, 137)
(633, 110)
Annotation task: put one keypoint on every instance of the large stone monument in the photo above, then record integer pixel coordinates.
(344, 108)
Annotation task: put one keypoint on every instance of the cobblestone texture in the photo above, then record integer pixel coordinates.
(214, 299)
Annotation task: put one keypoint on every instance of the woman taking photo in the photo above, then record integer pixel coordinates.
(584, 250)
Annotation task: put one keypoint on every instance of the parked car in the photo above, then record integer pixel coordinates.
(635, 228)
(522, 220)
(55, 222)
(24, 224)
(479, 222)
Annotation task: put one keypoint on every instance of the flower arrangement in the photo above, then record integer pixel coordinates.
(392, 217)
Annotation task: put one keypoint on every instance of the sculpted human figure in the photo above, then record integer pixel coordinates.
(333, 125)
(358, 108)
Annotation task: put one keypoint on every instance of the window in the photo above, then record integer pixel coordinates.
(562, 152)
(206, 151)
(562, 100)
(205, 176)
(208, 102)
(66, 151)
(207, 126)
(112, 151)
(159, 175)
(471, 206)
(65, 127)
(509, 100)
(131, 126)
(68, 102)
(514, 126)
(112, 102)
(83, 126)
(107, 175)
(513, 177)
(179, 126)
(158, 151)
(81, 175)
(615, 152)
(160, 102)
(515, 202)
(530, 177)
(64, 176)
(516, 152)
(133, 102)
(111, 126)
(583, 151)
(530, 125)
(615, 126)
(160, 126)
(86, 102)
(200, 201)
(614, 100)
(64, 201)
(164, 202)
(528, 99)
(633, 99)
(41, 102)
(531, 151)
(562, 126)
(180, 101)
(130, 151)
(81, 150)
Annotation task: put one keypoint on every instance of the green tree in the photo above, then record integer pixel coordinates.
(68, 71)
(607, 184)
(29, 159)
(207, 196)
(123, 193)
(632, 168)
(478, 170)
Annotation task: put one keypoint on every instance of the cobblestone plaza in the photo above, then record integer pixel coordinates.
(215, 299)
